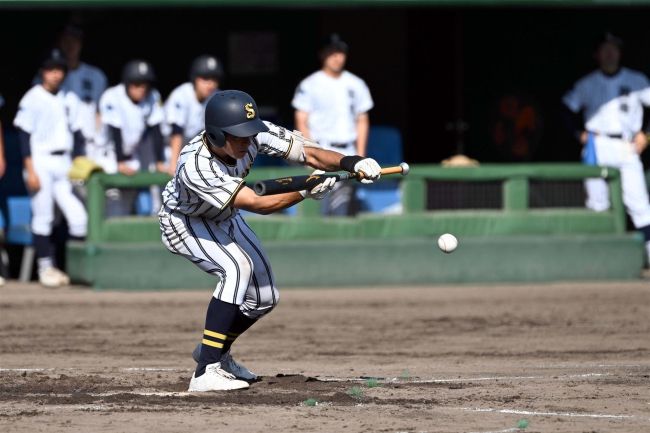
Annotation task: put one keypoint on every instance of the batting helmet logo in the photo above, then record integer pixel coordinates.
(250, 111)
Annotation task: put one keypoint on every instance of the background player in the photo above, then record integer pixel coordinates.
(332, 107)
(185, 107)
(611, 101)
(132, 114)
(46, 120)
(88, 83)
(200, 221)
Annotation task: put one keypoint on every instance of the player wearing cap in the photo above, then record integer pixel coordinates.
(132, 114)
(185, 107)
(605, 113)
(50, 136)
(332, 107)
(200, 221)
(88, 83)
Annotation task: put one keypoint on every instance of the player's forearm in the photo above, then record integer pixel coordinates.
(300, 119)
(246, 199)
(28, 164)
(363, 125)
(271, 204)
(175, 144)
(322, 159)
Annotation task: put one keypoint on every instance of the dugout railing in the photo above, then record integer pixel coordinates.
(511, 213)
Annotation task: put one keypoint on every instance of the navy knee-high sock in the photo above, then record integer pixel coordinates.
(646, 232)
(239, 326)
(218, 321)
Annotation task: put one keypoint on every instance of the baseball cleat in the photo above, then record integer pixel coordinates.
(49, 277)
(63, 277)
(215, 379)
(228, 364)
(196, 353)
(232, 367)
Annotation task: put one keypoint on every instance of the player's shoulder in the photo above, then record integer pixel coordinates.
(114, 92)
(312, 78)
(181, 92)
(589, 79)
(93, 70)
(35, 94)
(634, 75)
(349, 76)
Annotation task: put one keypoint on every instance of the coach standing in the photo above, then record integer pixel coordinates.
(605, 113)
(332, 107)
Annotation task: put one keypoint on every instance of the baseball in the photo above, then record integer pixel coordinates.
(447, 243)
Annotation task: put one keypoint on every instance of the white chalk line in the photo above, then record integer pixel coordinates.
(111, 393)
(464, 379)
(534, 413)
(129, 369)
(499, 431)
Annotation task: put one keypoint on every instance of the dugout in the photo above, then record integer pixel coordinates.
(437, 69)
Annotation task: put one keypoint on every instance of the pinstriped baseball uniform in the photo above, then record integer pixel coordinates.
(198, 221)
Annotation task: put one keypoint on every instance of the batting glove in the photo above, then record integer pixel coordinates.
(370, 170)
(322, 189)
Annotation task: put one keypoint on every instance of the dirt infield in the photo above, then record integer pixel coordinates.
(562, 357)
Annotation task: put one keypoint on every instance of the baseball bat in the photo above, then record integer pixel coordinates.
(299, 183)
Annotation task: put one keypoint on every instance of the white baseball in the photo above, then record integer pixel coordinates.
(447, 242)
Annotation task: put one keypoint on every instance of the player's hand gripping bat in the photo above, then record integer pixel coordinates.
(299, 183)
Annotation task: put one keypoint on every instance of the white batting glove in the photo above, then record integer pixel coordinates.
(321, 190)
(369, 168)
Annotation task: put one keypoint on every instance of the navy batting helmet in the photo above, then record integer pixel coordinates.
(54, 58)
(206, 67)
(233, 112)
(138, 71)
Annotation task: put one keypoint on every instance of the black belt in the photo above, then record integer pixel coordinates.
(59, 152)
(604, 134)
(340, 145)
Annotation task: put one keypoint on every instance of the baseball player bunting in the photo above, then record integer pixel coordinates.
(199, 220)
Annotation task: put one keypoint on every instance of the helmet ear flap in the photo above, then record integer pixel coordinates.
(215, 136)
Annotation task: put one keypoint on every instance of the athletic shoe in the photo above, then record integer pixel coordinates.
(232, 367)
(215, 379)
(196, 353)
(49, 277)
(228, 364)
(63, 277)
(2, 281)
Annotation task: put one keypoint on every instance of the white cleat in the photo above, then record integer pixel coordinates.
(215, 379)
(63, 277)
(49, 277)
(238, 370)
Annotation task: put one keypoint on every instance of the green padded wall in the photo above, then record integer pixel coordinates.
(369, 262)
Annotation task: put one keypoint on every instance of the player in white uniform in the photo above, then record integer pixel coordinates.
(611, 101)
(88, 83)
(185, 107)
(50, 136)
(332, 107)
(132, 114)
(200, 221)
